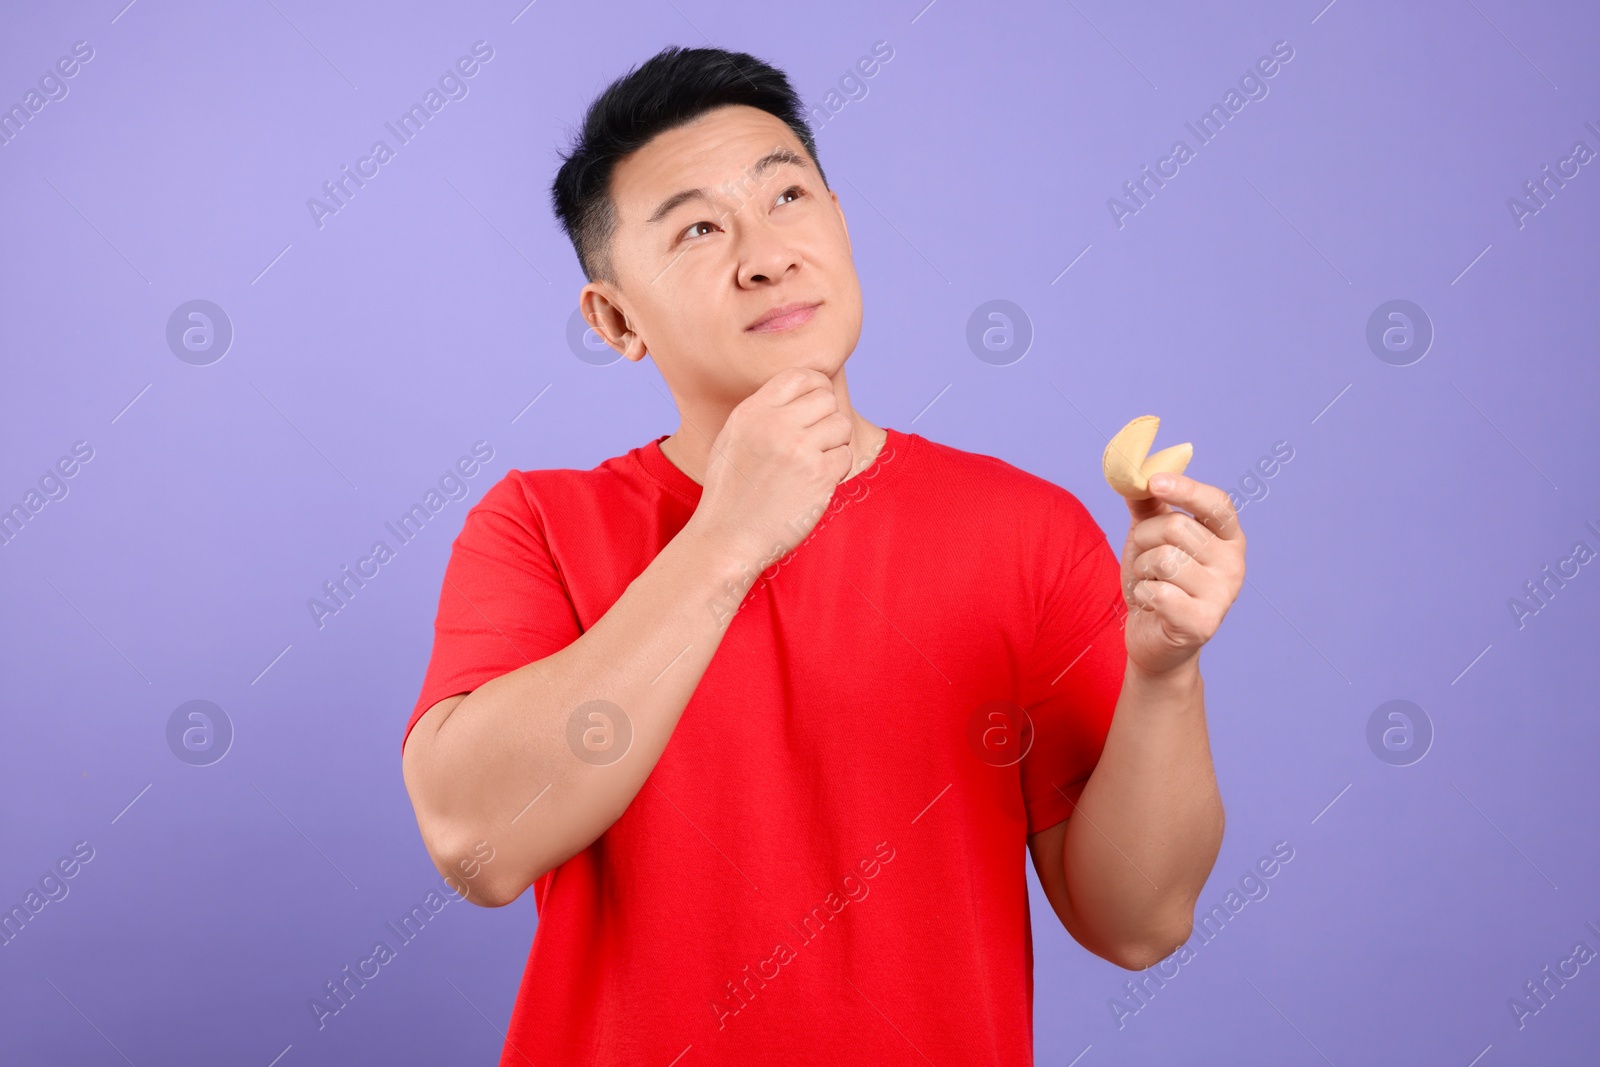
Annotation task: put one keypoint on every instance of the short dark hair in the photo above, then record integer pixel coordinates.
(674, 87)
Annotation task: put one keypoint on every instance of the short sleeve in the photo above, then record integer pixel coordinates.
(502, 603)
(1073, 677)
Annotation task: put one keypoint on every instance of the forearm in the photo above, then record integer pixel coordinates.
(501, 769)
(1148, 826)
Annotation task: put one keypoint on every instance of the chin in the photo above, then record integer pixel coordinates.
(814, 357)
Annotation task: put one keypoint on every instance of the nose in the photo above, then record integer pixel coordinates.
(768, 255)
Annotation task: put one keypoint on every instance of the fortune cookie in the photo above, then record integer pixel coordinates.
(1127, 464)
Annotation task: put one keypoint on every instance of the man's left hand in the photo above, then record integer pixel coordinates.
(1180, 572)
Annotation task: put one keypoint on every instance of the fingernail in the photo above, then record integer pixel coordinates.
(1161, 483)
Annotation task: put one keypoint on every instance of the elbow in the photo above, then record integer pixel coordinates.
(1161, 941)
(488, 869)
(490, 872)
(1142, 957)
(470, 869)
(474, 868)
(489, 895)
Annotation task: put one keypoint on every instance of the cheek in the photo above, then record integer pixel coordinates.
(847, 290)
(844, 329)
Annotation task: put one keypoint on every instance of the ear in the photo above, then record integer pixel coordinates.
(836, 206)
(601, 310)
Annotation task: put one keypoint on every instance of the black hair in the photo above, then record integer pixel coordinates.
(674, 87)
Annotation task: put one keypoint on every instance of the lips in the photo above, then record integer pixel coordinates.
(783, 317)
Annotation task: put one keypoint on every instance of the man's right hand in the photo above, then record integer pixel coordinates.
(774, 466)
(474, 764)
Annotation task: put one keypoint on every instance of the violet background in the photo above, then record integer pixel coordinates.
(433, 309)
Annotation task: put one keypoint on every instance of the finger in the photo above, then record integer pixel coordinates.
(840, 459)
(791, 382)
(811, 408)
(1210, 505)
(1165, 599)
(1175, 528)
(833, 430)
(1168, 563)
(1146, 508)
(1187, 621)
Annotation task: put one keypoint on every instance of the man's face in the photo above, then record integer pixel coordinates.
(695, 272)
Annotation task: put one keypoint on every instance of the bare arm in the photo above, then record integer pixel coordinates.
(500, 794)
(1124, 872)
(495, 765)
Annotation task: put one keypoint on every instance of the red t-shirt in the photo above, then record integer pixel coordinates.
(827, 864)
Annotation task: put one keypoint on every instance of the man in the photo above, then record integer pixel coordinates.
(766, 710)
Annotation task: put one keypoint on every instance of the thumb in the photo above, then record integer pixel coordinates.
(1148, 507)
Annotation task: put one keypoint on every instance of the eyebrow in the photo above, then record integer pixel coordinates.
(775, 158)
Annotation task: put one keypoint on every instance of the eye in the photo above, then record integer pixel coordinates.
(688, 232)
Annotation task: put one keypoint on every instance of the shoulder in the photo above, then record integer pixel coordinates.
(1016, 494)
(535, 499)
(532, 488)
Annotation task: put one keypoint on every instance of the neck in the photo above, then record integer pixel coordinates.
(689, 448)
